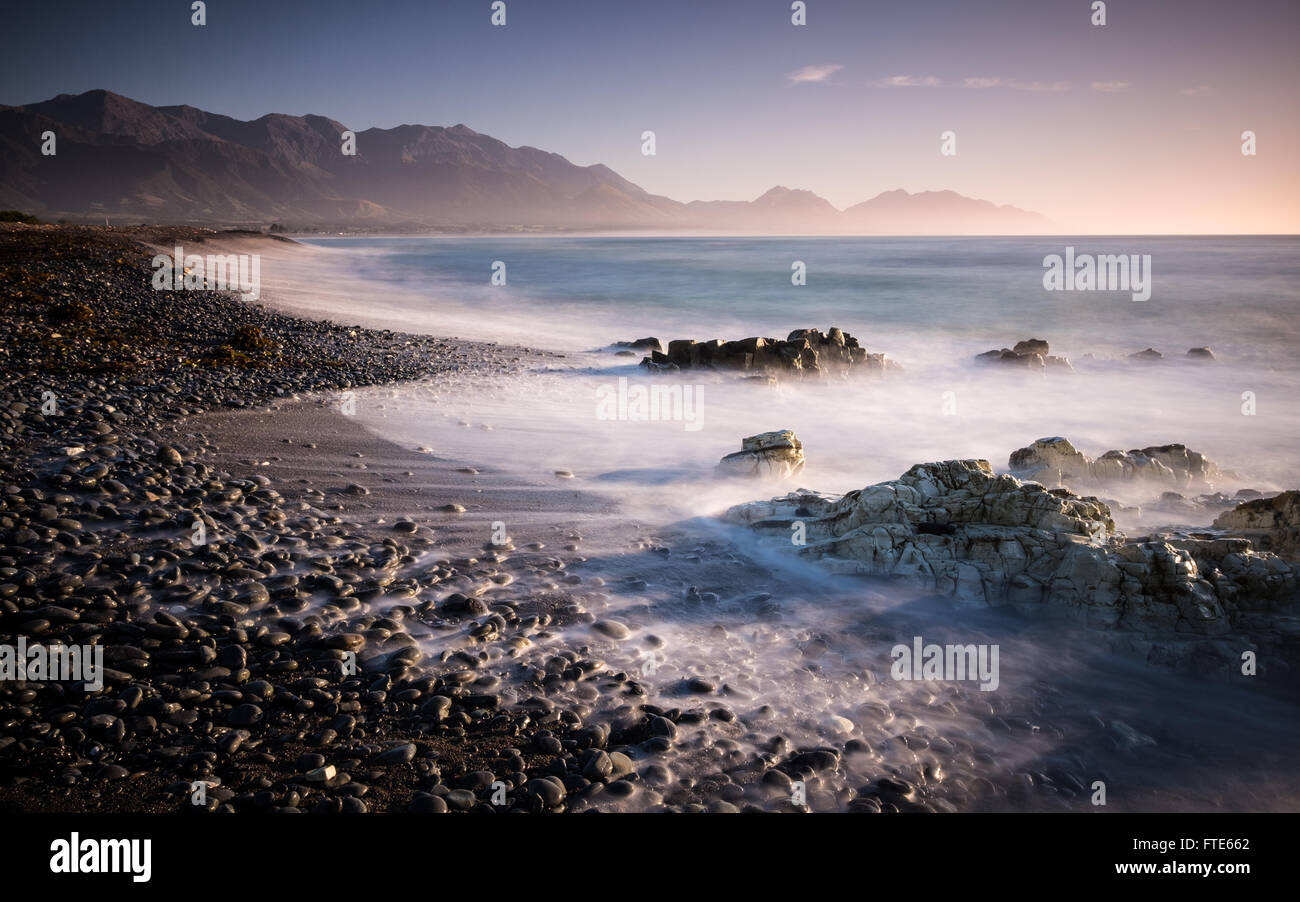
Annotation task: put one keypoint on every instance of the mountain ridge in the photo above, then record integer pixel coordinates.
(121, 158)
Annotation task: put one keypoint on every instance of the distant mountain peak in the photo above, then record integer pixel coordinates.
(782, 192)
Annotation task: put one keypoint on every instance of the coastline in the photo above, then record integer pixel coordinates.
(226, 660)
(478, 661)
(81, 526)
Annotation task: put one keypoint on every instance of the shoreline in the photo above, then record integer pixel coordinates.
(478, 661)
(75, 535)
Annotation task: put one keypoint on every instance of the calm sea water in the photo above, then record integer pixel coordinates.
(1239, 295)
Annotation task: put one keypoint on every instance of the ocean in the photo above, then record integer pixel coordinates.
(792, 654)
(931, 304)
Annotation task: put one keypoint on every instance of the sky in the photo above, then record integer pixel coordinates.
(1131, 127)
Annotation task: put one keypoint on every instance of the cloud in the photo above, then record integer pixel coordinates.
(1110, 87)
(1198, 91)
(910, 81)
(814, 73)
(1014, 84)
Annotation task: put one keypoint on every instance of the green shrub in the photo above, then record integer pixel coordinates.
(250, 338)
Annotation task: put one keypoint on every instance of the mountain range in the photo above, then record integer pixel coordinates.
(123, 160)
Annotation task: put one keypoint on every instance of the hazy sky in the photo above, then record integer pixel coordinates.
(1131, 127)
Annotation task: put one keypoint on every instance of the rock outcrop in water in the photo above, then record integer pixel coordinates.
(1032, 353)
(805, 352)
(1271, 523)
(1146, 354)
(959, 530)
(651, 344)
(1055, 462)
(770, 455)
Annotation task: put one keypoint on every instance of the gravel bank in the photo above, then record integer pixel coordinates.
(215, 672)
